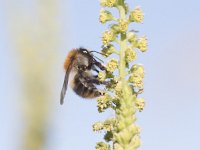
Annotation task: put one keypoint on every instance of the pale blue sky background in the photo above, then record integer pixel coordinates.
(170, 120)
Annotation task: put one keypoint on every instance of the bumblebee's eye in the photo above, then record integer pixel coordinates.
(85, 52)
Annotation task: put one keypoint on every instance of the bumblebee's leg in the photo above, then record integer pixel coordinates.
(94, 69)
(95, 76)
(98, 64)
(96, 81)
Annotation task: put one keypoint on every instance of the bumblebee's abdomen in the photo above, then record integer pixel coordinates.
(84, 89)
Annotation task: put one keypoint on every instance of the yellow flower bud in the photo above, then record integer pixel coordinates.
(132, 38)
(104, 102)
(123, 26)
(134, 129)
(137, 69)
(118, 147)
(98, 126)
(137, 75)
(108, 3)
(142, 44)
(140, 103)
(136, 15)
(135, 142)
(102, 146)
(130, 54)
(105, 16)
(109, 124)
(102, 76)
(108, 50)
(118, 88)
(108, 36)
(112, 65)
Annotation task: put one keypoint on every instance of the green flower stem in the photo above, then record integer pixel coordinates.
(123, 45)
(125, 113)
(122, 71)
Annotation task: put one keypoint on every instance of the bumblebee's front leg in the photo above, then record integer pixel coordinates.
(98, 64)
(95, 69)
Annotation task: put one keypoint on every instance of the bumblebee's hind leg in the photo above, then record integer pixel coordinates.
(95, 80)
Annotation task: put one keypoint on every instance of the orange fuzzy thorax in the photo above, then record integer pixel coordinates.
(69, 58)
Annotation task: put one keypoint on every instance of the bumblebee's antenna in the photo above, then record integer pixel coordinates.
(98, 53)
(98, 59)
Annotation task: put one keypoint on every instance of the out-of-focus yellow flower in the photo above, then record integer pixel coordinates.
(112, 65)
(105, 16)
(136, 15)
(142, 44)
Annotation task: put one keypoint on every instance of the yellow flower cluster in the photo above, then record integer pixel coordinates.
(109, 124)
(102, 76)
(130, 54)
(132, 38)
(102, 146)
(105, 16)
(108, 36)
(97, 126)
(137, 75)
(118, 89)
(112, 65)
(140, 103)
(142, 44)
(137, 69)
(104, 102)
(108, 50)
(108, 3)
(136, 15)
(123, 26)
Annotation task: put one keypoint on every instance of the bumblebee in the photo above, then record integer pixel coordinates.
(80, 65)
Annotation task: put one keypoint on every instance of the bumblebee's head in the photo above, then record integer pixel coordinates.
(89, 54)
(84, 51)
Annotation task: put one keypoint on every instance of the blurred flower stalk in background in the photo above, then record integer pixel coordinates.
(125, 76)
(35, 37)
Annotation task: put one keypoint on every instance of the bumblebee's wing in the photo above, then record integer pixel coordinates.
(64, 88)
